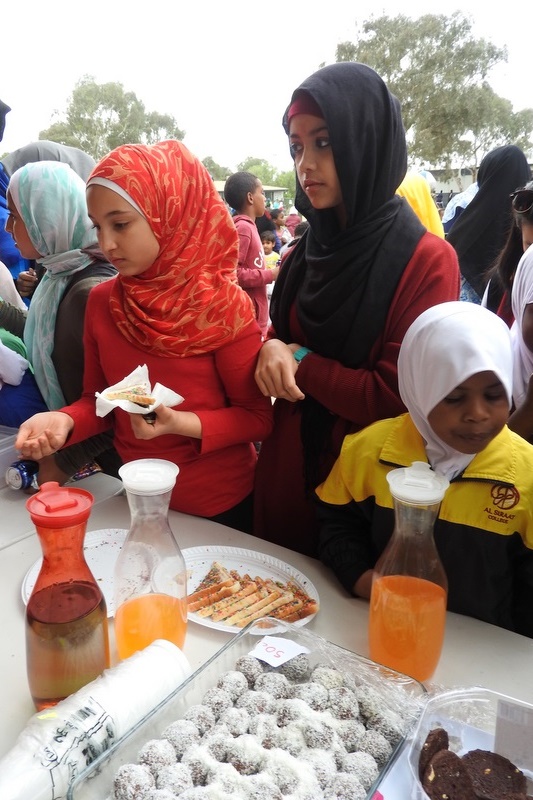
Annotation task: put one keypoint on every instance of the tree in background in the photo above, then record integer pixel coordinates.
(269, 176)
(259, 167)
(100, 117)
(217, 172)
(439, 72)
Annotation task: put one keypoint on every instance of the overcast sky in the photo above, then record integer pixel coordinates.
(225, 70)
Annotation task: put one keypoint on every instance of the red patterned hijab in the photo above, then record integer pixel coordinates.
(188, 302)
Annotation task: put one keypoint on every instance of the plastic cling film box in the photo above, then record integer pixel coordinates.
(476, 719)
(59, 742)
(277, 709)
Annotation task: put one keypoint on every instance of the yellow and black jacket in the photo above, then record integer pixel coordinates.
(484, 532)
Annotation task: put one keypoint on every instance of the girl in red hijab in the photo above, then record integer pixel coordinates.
(176, 307)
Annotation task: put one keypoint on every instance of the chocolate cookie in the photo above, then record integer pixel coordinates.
(436, 740)
(446, 776)
(519, 796)
(493, 777)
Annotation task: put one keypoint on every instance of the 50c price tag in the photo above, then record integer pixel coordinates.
(275, 650)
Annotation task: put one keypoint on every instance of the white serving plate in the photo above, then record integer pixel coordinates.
(198, 561)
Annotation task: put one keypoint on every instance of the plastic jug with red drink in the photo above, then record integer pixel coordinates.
(67, 643)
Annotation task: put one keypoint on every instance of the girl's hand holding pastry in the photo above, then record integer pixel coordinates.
(166, 421)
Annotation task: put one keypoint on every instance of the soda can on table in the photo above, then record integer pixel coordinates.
(22, 474)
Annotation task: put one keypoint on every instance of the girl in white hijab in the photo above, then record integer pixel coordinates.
(455, 378)
(443, 348)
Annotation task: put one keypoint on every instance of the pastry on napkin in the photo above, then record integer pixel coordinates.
(135, 395)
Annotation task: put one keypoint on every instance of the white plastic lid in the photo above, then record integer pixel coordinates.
(417, 484)
(149, 476)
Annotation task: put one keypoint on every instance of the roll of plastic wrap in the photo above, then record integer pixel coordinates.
(59, 742)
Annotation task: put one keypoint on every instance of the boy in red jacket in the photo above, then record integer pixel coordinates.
(244, 193)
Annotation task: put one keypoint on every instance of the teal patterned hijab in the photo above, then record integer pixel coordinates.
(50, 198)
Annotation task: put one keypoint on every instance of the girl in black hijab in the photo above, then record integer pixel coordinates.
(346, 293)
(482, 229)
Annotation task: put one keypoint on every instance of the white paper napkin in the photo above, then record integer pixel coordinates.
(161, 394)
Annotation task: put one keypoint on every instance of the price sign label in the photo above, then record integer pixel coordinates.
(276, 651)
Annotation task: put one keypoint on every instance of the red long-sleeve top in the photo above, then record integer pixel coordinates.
(216, 471)
(283, 512)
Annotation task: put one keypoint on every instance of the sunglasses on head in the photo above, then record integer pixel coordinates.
(522, 200)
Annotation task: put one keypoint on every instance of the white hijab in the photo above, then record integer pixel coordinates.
(446, 345)
(521, 296)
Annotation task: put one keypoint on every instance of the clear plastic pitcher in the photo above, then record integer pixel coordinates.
(150, 576)
(409, 587)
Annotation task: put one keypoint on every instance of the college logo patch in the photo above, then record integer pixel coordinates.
(504, 497)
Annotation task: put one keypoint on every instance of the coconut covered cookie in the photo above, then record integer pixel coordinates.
(297, 732)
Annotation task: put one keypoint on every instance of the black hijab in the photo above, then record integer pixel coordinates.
(480, 232)
(343, 280)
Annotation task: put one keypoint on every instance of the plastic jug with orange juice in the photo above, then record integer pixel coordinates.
(150, 576)
(409, 587)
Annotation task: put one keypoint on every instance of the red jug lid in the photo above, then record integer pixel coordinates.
(59, 506)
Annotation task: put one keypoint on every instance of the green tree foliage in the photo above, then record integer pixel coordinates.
(217, 172)
(269, 176)
(287, 179)
(258, 166)
(439, 71)
(100, 117)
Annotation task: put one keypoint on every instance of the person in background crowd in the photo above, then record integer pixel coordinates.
(23, 270)
(4, 111)
(458, 399)
(497, 295)
(282, 232)
(266, 223)
(521, 419)
(244, 192)
(8, 291)
(299, 231)
(346, 292)
(416, 191)
(482, 229)
(292, 219)
(272, 259)
(456, 205)
(175, 306)
(268, 240)
(49, 224)
(20, 397)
